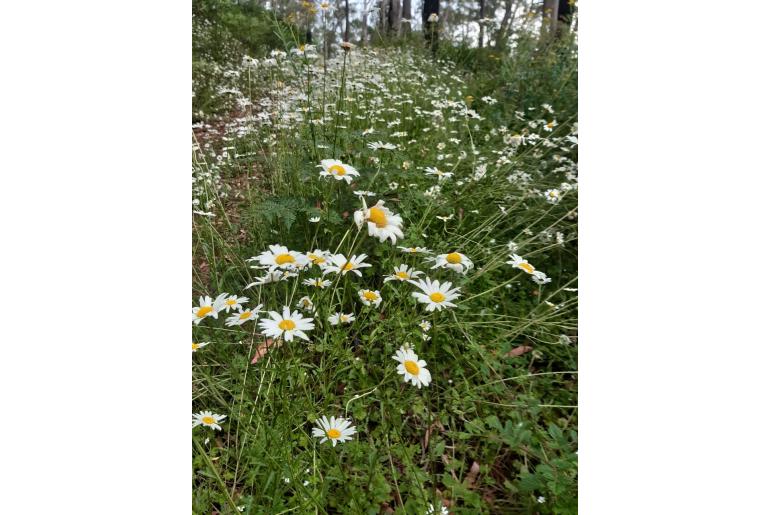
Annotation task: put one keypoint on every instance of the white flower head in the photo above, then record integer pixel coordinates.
(337, 430)
(342, 265)
(442, 176)
(517, 261)
(540, 277)
(198, 345)
(412, 367)
(454, 261)
(425, 325)
(434, 294)
(286, 325)
(403, 273)
(208, 419)
(272, 277)
(414, 250)
(319, 257)
(319, 282)
(206, 308)
(233, 302)
(379, 145)
(370, 297)
(280, 257)
(381, 222)
(337, 169)
(341, 318)
(243, 316)
(306, 304)
(553, 196)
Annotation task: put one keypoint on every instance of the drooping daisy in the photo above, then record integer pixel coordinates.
(403, 273)
(434, 294)
(442, 176)
(233, 302)
(341, 318)
(319, 257)
(198, 345)
(414, 250)
(336, 430)
(337, 169)
(520, 263)
(454, 261)
(280, 257)
(379, 145)
(370, 297)
(443, 511)
(243, 316)
(381, 222)
(412, 367)
(306, 304)
(206, 308)
(286, 325)
(272, 277)
(318, 282)
(540, 277)
(342, 265)
(208, 419)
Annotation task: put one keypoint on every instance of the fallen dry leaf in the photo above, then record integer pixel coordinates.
(473, 473)
(263, 348)
(518, 351)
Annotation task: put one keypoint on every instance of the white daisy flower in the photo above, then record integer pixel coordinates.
(403, 273)
(379, 145)
(233, 302)
(341, 318)
(318, 283)
(337, 169)
(442, 176)
(286, 325)
(306, 304)
(540, 278)
(342, 265)
(198, 345)
(414, 250)
(206, 308)
(454, 261)
(381, 222)
(552, 196)
(280, 257)
(541, 499)
(434, 294)
(272, 277)
(314, 219)
(364, 193)
(243, 316)
(412, 367)
(431, 510)
(336, 430)
(425, 325)
(319, 257)
(208, 419)
(370, 297)
(520, 263)
(550, 125)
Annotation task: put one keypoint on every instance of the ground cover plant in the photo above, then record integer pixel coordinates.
(385, 290)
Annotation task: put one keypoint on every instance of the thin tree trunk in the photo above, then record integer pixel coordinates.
(481, 23)
(365, 29)
(347, 21)
(406, 14)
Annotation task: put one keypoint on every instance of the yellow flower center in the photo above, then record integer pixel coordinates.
(437, 297)
(527, 267)
(402, 275)
(348, 266)
(208, 420)
(302, 48)
(282, 259)
(230, 302)
(245, 315)
(377, 216)
(287, 325)
(317, 259)
(205, 310)
(411, 367)
(344, 318)
(195, 346)
(333, 433)
(337, 170)
(553, 194)
(454, 258)
(370, 295)
(550, 125)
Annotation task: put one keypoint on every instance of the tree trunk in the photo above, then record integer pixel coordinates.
(406, 14)
(481, 23)
(430, 29)
(365, 28)
(347, 21)
(393, 16)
